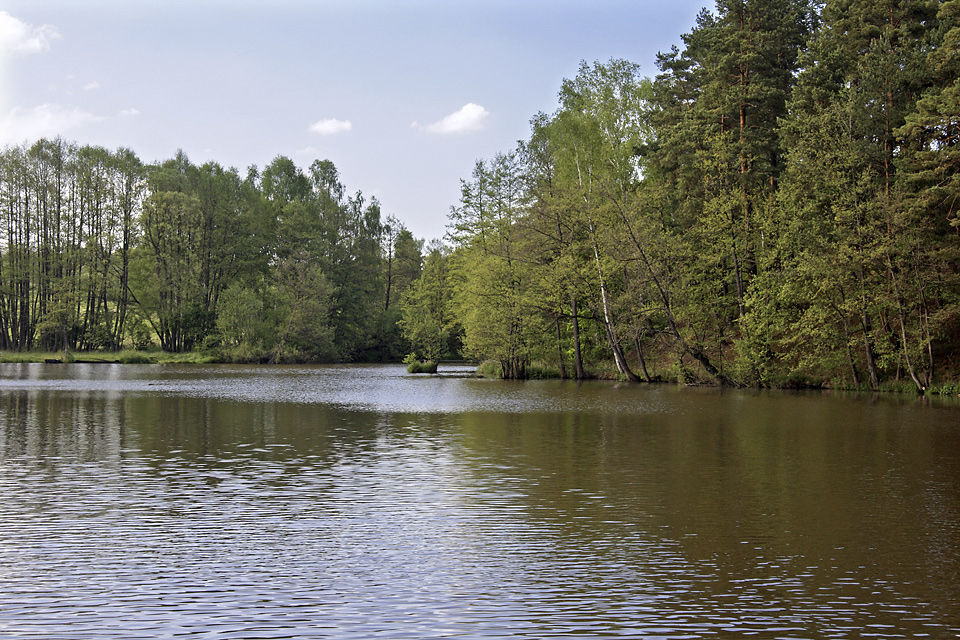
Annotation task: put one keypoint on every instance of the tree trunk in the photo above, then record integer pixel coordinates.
(577, 357)
(868, 350)
(560, 359)
(641, 359)
(614, 343)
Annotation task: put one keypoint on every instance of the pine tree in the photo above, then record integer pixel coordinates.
(718, 105)
(844, 247)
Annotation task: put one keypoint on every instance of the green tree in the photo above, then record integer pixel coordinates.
(305, 333)
(400, 266)
(494, 272)
(592, 143)
(718, 104)
(427, 320)
(855, 262)
(69, 223)
(171, 228)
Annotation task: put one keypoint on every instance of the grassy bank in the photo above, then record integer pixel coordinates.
(106, 357)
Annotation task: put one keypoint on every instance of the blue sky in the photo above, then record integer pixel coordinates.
(402, 95)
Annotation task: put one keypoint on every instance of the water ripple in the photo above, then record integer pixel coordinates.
(375, 387)
(176, 513)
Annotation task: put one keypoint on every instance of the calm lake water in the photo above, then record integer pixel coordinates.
(360, 502)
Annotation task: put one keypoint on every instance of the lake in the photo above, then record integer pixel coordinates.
(152, 501)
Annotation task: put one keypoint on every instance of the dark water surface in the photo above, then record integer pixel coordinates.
(359, 502)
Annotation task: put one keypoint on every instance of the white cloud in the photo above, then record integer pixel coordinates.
(127, 113)
(330, 127)
(17, 36)
(470, 117)
(45, 121)
(90, 86)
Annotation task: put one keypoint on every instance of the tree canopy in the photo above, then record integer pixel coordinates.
(100, 251)
(777, 206)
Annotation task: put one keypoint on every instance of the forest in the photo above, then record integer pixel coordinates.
(776, 207)
(101, 252)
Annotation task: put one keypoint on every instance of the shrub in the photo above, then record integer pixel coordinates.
(489, 369)
(418, 366)
(542, 372)
(946, 390)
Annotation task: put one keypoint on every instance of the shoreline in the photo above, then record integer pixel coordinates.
(943, 389)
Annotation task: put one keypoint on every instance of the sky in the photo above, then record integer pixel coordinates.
(403, 96)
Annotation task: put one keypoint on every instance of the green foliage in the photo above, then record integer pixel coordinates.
(778, 207)
(489, 369)
(775, 209)
(415, 365)
(140, 335)
(427, 322)
(538, 371)
(101, 252)
(67, 228)
(946, 390)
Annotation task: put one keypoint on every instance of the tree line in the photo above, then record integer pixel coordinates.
(99, 251)
(777, 206)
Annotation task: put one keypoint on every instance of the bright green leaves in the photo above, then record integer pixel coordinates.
(68, 226)
(99, 252)
(759, 214)
(172, 233)
(493, 268)
(427, 320)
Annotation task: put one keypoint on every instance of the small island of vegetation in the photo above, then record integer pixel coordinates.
(777, 207)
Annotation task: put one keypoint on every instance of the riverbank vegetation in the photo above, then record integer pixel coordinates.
(102, 253)
(778, 206)
(125, 356)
